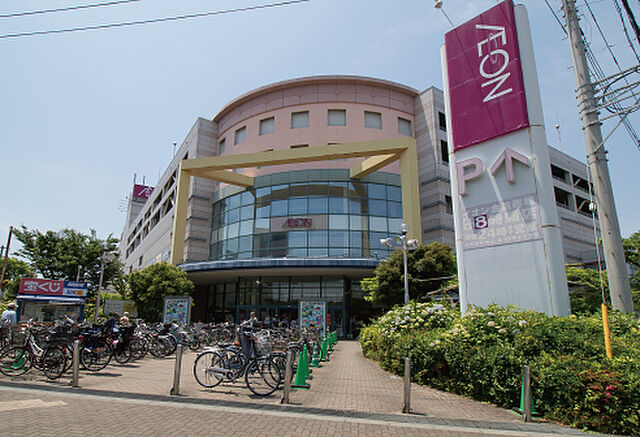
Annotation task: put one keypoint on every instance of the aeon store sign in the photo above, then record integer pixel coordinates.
(508, 240)
(314, 222)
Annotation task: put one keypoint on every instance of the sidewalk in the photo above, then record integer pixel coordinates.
(349, 385)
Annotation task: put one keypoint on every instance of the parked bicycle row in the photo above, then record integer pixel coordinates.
(50, 349)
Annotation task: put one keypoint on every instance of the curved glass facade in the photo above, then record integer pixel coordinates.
(309, 219)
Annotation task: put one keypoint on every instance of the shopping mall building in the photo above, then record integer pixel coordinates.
(286, 193)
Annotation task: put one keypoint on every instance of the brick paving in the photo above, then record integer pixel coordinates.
(348, 386)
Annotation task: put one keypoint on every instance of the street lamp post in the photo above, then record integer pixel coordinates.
(402, 243)
(105, 258)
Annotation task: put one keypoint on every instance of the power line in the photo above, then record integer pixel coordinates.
(153, 20)
(632, 19)
(596, 69)
(624, 28)
(70, 8)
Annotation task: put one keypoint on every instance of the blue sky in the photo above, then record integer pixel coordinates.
(81, 112)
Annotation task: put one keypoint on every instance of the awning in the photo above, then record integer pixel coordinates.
(52, 299)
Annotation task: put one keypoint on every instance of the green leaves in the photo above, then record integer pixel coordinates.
(68, 254)
(434, 260)
(151, 285)
(481, 354)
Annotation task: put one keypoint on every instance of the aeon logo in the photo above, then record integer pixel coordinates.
(296, 223)
(498, 60)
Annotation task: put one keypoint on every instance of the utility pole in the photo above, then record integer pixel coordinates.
(597, 161)
(4, 260)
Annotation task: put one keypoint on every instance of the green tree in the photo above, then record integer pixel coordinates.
(15, 270)
(632, 256)
(149, 287)
(586, 295)
(425, 264)
(68, 254)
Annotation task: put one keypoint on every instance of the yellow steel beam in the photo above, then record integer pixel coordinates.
(383, 152)
(371, 164)
(307, 154)
(228, 177)
(410, 192)
(180, 216)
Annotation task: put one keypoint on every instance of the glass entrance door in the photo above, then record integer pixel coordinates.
(337, 320)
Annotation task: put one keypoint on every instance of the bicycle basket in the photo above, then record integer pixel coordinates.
(263, 348)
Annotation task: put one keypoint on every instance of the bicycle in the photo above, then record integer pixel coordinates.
(17, 360)
(261, 373)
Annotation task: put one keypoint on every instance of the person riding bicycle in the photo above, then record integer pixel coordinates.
(247, 330)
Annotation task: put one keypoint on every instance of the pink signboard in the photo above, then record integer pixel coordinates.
(142, 191)
(486, 90)
(49, 287)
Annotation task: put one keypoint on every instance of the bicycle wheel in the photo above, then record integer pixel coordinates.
(194, 344)
(96, 355)
(53, 362)
(160, 347)
(139, 347)
(14, 361)
(122, 354)
(263, 376)
(206, 369)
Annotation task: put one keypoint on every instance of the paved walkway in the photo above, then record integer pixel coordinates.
(348, 386)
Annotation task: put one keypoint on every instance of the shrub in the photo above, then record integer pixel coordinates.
(480, 355)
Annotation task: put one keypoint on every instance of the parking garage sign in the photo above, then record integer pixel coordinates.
(508, 239)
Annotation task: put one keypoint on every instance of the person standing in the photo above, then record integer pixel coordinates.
(9, 315)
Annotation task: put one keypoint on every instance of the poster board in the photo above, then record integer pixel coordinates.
(313, 315)
(177, 309)
(119, 307)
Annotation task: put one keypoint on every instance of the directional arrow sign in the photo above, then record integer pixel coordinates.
(507, 156)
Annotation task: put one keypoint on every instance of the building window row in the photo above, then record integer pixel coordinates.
(300, 119)
(569, 178)
(310, 219)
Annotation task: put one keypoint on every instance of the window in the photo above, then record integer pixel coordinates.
(299, 119)
(562, 198)
(221, 145)
(373, 120)
(241, 135)
(442, 119)
(267, 126)
(448, 204)
(582, 206)
(444, 151)
(337, 117)
(299, 146)
(404, 127)
(559, 173)
(580, 183)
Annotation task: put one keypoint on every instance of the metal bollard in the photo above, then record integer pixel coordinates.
(75, 380)
(286, 389)
(407, 386)
(526, 380)
(175, 390)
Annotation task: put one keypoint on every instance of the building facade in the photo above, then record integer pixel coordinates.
(311, 230)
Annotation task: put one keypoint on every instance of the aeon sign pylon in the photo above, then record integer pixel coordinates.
(508, 240)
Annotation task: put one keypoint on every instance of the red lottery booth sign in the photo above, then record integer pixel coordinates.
(49, 287)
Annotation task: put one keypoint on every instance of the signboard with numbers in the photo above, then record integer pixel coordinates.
(508, 241)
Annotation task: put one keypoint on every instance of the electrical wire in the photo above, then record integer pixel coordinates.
(597, 71)
(70, 8)
(153, 20)
(632, 19)
(624, 28)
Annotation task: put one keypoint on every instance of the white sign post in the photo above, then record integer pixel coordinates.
(508, 240)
